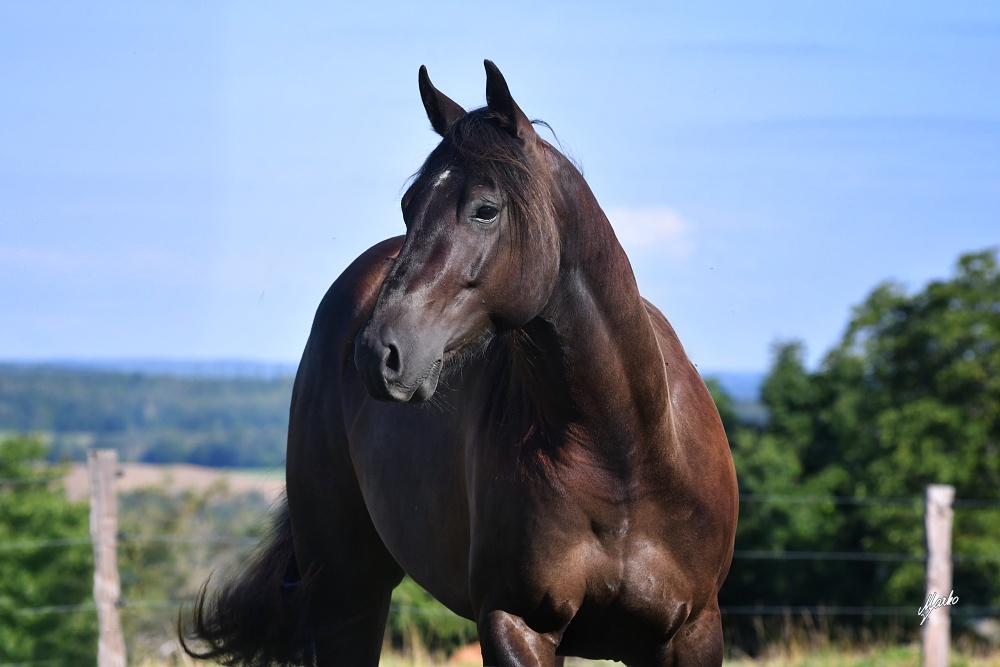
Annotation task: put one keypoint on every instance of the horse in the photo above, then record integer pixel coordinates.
(488, 405)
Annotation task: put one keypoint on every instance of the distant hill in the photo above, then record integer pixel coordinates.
(217, 413)
(236, 420)
(185, 368)
(742, 386)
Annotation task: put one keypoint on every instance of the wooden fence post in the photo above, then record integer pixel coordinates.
(936, 628)
(103, 467)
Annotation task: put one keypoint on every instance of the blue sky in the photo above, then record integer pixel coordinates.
(184, 180)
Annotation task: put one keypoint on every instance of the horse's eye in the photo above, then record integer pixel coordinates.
(486, 213)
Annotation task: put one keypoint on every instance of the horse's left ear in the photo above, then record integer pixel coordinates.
(503, 106)
(442, 111)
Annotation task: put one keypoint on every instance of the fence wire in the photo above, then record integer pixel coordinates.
(748, 554)
(742, 554)
(735, 610)
(915, 501)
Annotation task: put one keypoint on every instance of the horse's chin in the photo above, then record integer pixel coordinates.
(420, 391)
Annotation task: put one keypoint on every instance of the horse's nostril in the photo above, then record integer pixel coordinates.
(392, 359)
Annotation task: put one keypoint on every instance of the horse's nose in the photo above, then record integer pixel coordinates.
(391, 362)
(379, 363)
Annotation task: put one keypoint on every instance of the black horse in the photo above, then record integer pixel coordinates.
(488, 405)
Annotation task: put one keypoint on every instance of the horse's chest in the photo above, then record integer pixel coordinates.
(597, 589)
(574, 550)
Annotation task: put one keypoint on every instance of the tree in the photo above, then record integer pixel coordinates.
(419, 623)
(43, 583)
(910, 396)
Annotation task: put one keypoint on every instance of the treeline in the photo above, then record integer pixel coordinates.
(910, 396)
(213, 421)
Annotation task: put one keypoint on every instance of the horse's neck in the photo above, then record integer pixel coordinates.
(613, 367)
(594, 343)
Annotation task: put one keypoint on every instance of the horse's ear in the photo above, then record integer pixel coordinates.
(503, 106)
(442, 111)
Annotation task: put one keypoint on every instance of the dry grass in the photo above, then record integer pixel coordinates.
(403, 661)
(893, 656)
(886, 656)
(180, 477)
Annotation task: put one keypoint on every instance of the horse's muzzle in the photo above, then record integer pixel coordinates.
(391, 371)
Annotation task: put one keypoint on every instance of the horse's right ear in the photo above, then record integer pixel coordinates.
(442, 111)
(503, 107)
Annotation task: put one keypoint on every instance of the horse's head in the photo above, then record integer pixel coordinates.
(481, 254)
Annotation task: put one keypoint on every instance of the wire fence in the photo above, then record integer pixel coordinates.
(748, 554)
(25, 481)
(804, 612)
(739, 554)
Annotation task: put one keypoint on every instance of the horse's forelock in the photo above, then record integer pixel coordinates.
(477, 145)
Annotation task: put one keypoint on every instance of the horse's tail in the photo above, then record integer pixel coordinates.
(259, 616)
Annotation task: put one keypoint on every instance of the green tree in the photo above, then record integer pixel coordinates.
(910, 396)
(419, 622)
(42, 586)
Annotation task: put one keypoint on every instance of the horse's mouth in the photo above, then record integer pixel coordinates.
(424, 387)
(402, 387)
(421, 389)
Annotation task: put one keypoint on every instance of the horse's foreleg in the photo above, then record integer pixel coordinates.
(351, 577)
(698, 643)
(507, 641)
(349, 574)
(352, 634)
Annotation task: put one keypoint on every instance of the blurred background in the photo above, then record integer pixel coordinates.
(809, 191)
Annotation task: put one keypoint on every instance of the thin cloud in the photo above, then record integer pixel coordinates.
(643, 229)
